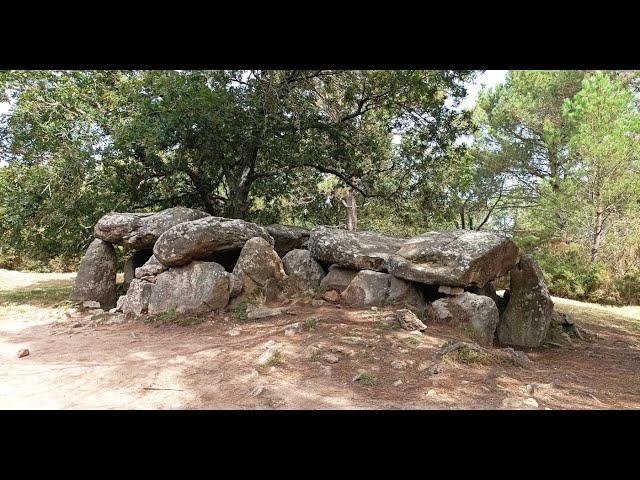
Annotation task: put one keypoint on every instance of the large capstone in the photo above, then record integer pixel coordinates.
(96, 278)
(204, 238)
(525, 320)
(476, 314)
(367, 288)
(288, 238)
(304, 271)
(141, 230)
(257, 265)
(457, 258)
(195, 288)
(361, 250)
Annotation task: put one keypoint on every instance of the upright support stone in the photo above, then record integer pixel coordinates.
(129, 272)
(525, 320)
(96, 278)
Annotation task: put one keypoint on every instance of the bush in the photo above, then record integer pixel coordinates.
(570, 274)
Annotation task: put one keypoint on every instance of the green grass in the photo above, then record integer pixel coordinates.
(386, 325)
(239, 312)
(468, 356)
(37, 296)
(310, 325)
(624, 318)
(413, 341)
(367, 380)
(161, 318)
(185, 322)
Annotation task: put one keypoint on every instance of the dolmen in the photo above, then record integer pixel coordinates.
(188, 261)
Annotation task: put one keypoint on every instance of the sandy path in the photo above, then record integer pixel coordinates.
(139, 366)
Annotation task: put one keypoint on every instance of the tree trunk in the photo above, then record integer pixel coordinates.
(597, 236)
(352, 214)
(240, 191)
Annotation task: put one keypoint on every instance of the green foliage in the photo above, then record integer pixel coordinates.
(567, 145)
(554, 160)
(265, 145)
(167, 316)
(468, 356)
(367, 380)
(310, 324)
(239, 311)
(185, 322)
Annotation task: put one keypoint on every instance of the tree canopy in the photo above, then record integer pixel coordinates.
(548, 157)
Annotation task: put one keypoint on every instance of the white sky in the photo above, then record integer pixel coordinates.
(490, 78)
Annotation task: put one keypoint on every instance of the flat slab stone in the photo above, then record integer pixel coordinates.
(141, 230)
(356, 250)
(202, 238)
(456, 258)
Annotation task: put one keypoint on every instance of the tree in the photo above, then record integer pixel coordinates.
(246, 144)
(605, 146)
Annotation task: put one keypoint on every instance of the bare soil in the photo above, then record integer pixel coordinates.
(78, 364)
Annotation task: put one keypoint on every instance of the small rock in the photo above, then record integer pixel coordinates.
(330, 358)
(264, 312)
(234, 332)
(292, 329)
(331, 296)
(374, 309)
(269, 344)
(311, 351)
(397, 383)
(72, 312)
(435, 369)
(317, 303)
(422, 367)
(91, 304)
(409, 321)
(520, 404)
(76, 325)
(398, 364)
(432, 393)
(529, 389)
(268, 356)
(23, 352)
(113, 310)
(416, 332)
(255, 391)
(353, 340)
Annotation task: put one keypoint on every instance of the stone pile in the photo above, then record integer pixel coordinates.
(185, 260)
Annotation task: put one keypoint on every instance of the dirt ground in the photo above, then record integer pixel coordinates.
(212, 365)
